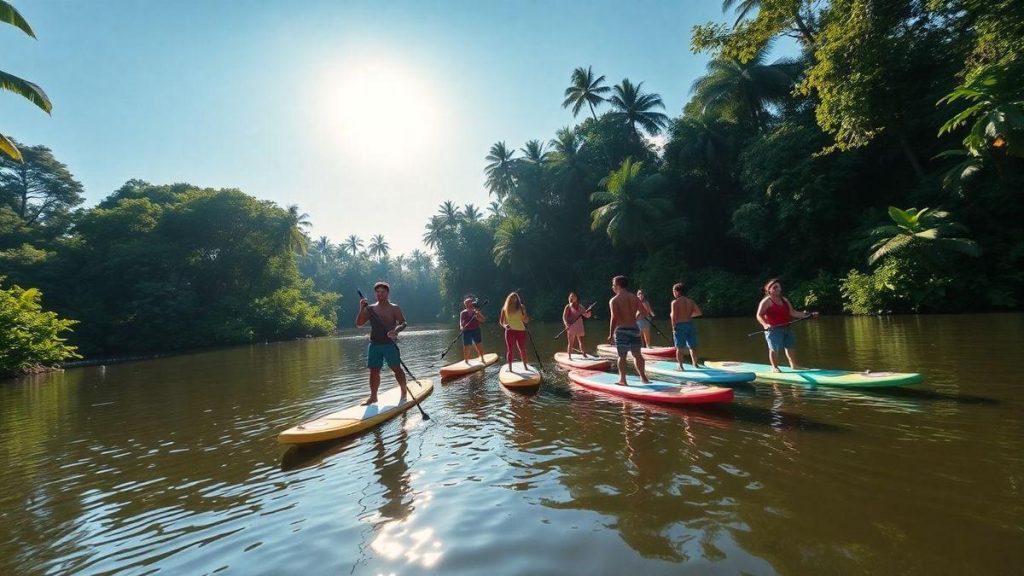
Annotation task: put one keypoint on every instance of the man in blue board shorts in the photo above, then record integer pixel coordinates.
(625, 308)
(386, 321)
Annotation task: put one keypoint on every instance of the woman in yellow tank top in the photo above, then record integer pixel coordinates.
(514, 319)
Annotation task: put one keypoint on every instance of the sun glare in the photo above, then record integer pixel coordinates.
(378, 112)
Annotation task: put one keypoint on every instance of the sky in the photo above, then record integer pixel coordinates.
(367, 115)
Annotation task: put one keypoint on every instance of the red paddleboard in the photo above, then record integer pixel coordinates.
(656, 391)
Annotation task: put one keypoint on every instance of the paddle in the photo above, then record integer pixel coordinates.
(461, 330)
(528, 335)
(578, 318)
(790, 323)
(656, 329)
(373, 318)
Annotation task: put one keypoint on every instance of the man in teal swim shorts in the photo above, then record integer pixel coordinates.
(622, 328)
(386, 321)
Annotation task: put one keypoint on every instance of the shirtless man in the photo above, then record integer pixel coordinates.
(622, 329)
(386, 321)
(683, 334)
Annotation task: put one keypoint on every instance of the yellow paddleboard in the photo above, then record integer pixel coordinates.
(356, 418)
(519, 376)
(463, 367)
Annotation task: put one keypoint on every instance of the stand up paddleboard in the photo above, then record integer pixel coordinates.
(519, 376)
(820, 377)
(652, 353)
(657, 391)
(697, 374)
(355, 419)
(462, 368)
(582, 361)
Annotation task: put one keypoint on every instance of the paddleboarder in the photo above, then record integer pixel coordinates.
(470, 320)
(572, 317)
(386, 321)
(513, 319)
(684, 309)
(624, 309)
(775, 313)
(646, 315)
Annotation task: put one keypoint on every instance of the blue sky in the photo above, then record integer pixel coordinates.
(365, 114)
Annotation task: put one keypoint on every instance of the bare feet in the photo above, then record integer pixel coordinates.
(370, 400)
(623, 383)
(776, 369)
(681, 368)
(401, 399)
(645, 380)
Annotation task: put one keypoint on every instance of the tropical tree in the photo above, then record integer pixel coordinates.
(400, 261)
(297, 223)
(745, 89)
(436, 228)
(631, 106)
(566, 158)
(500, 171)
(585, 89)
(512, 243)
(379, 247)
(495, 208)
(630, 206)
(23, 88)
(926, 229)
(38, 187)
(353, 244)
(450, 213)
(471, 214)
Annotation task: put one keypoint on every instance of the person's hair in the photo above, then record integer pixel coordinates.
(508, 304)
(573, 293)
(621, 281)
(383, 285)
(679, 287)
(768, 285)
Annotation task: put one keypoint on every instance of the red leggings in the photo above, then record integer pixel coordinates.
(515, 339)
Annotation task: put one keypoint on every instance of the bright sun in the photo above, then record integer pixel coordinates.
(378, 112)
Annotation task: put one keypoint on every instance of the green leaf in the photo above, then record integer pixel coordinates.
(11, 16)
(26, 89)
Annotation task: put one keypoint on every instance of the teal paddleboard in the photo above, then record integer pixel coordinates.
(821, 377)
(699, 374)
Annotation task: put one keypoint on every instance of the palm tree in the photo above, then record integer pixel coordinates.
(353, 244)
(566, 158)
(435, 232)
(584, 89)
(23, 88)
(297, 223)
(534, 153)
(322, 246)
(512, 244)
(746, 89)
(471, 214)
(496, 209)
(399, 263)
(419, 262)
(500, 171)
(379, 247)
(629, 208)
(449, 213)
(631, 107)
(926, 229)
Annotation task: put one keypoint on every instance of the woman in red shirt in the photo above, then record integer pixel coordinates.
(775, 313)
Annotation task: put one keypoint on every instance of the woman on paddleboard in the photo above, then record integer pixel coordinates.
(572, 317)
(775, 314)
(513, 319)
(643, 322)
(470, 320)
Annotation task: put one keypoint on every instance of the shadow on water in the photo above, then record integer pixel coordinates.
(932, 395)
(776, 419)
(306, 455)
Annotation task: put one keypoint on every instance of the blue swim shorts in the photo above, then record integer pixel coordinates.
(684, 334)
(627, 339)
(780, 338)
(470, 337)
(377, 354)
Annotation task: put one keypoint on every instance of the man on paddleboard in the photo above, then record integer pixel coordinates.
(469, 321)
(625, 308)
(683, 334)
(386, 321)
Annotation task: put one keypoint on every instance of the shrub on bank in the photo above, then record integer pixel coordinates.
(30, 337)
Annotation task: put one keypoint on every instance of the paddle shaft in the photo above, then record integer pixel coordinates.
(461, 330)
(578, 318)
(373, 318)
(528, 335)
(786, 325)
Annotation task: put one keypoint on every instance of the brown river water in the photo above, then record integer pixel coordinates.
(172, 466)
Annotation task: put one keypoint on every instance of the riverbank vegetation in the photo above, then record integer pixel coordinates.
(804, 167)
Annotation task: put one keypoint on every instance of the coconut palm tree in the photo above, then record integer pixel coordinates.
(512, 244)
(584, 89)
(434, 232)
(11, 83)
(534, 153)
(630, 207)
(930, 231)
(297, 222)
(379, 247)
(631, 106)
(471, 214)
(496, 209)
(353, 244)
(745, 89)
(419, 262)
(322, 246)
(500, 171)
(566, 158)
(399, 262)
(450, 213)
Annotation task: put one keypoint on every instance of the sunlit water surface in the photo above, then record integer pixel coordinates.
(172, 466)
